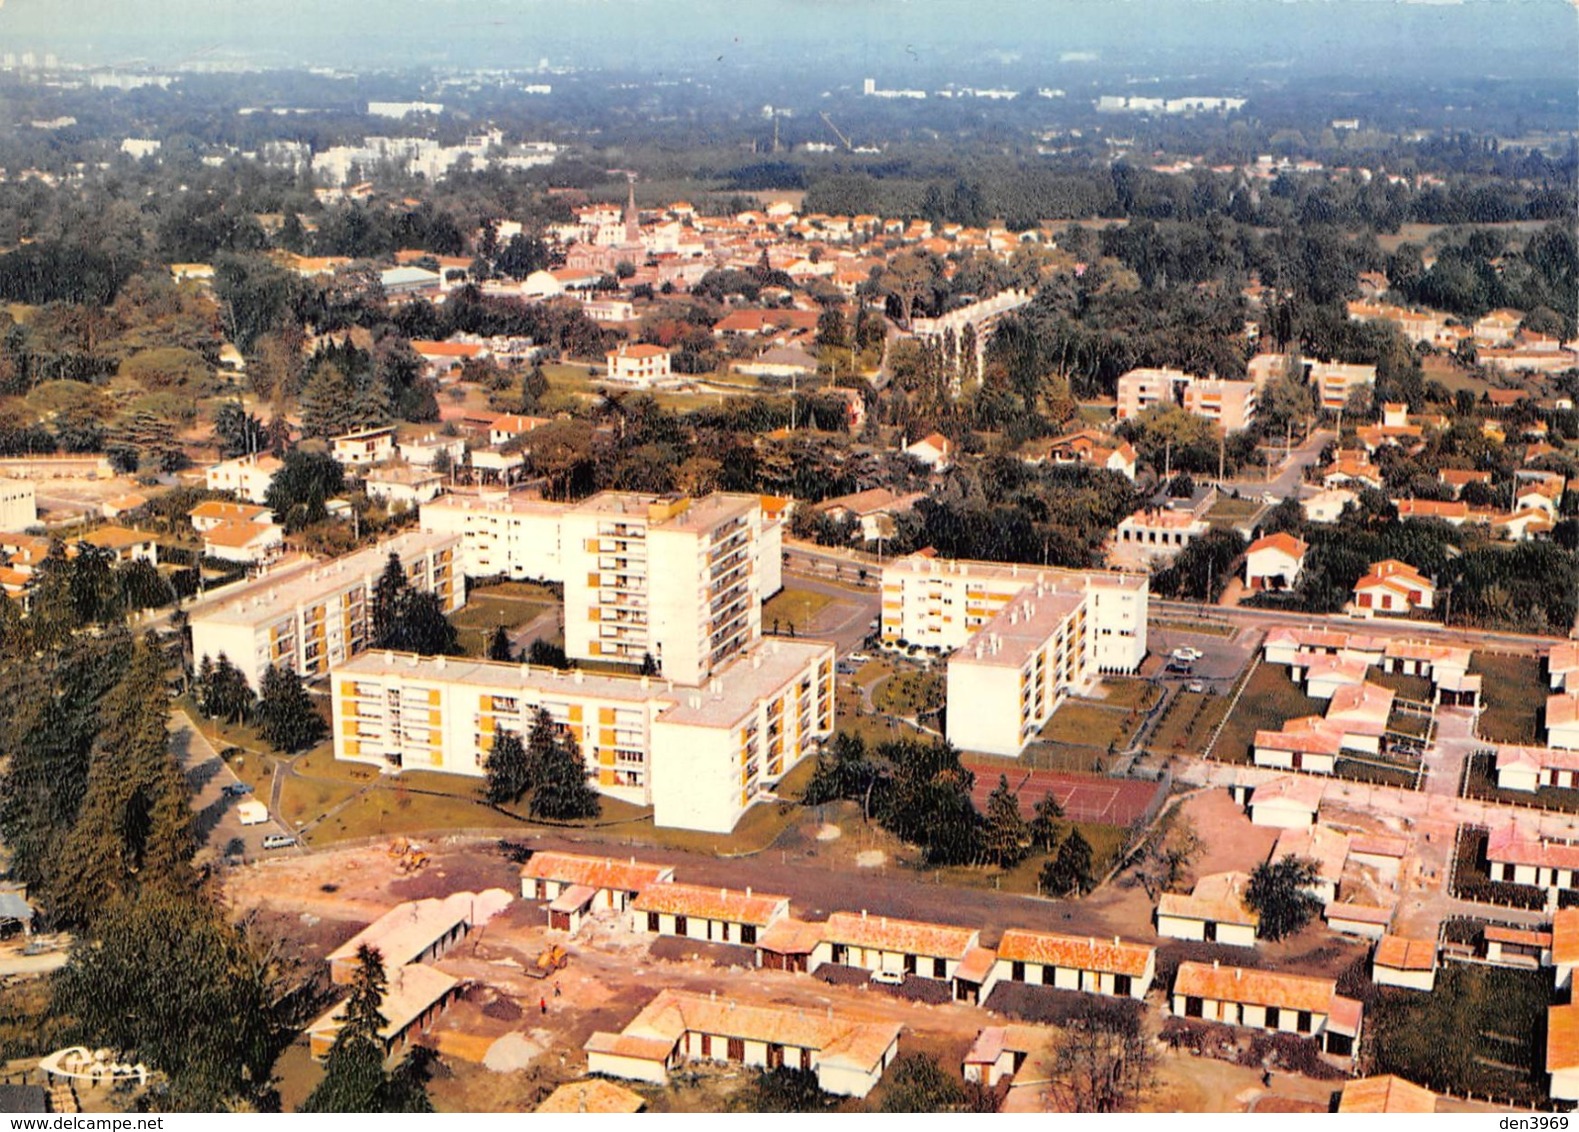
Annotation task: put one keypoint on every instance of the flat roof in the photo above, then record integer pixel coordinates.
(1020, 628)
(929, 566)
(281, 589)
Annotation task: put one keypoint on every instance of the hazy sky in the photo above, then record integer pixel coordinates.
(1494, 36)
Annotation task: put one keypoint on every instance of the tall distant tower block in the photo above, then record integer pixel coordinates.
(632, 220)
(869, 86)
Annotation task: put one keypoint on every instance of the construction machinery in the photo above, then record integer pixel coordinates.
(550, 959)
(409, 856)
(848, 145)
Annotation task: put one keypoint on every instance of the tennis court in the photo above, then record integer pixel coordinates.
(1083, 797)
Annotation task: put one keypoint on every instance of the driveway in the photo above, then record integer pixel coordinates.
(218, 825)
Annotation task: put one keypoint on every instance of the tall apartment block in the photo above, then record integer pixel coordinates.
(699, 756)
(1021, 638)
(311, 615)
(678, 579)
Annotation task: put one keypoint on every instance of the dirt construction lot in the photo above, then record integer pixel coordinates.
(512, 1038)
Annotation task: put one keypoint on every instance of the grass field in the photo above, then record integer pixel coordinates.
(791, 606)
(1090, 725)
(511, 604)
(1514, 696)
(1120, 692)
(909, 692)
(1270, 699)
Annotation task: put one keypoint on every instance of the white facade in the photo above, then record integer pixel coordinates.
(365, 448)
(501, 535)
(699, 757)
(248, 477)
(18, 505)
(312, 615)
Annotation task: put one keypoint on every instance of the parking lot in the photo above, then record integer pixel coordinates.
(217, 795)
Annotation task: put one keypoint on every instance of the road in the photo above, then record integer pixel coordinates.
(847, 621)
(1291, 472)
(218, 825)
(1375, 627)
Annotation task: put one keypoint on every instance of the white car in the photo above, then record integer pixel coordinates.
(1188, 653)
(858, 658)
(888, 978)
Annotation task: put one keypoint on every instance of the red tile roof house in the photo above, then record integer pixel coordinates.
(1402, 962)
(1517, 858)
(1393, 587)
(881, 943)
(719, 915)
(1527, 769)
(1262, 1000)
(576, 886)
(1078, 963)
(999, 1052)
(1273, 562)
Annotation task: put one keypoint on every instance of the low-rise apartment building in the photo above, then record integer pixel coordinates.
(312, 615)
(1262, 1000)
(1080, 963)
(699, 756)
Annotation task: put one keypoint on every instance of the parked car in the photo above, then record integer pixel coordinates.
(1187, 653)
(1195, 686)
(888, 978)
(279, 841)
(857, 658)
(235, 789)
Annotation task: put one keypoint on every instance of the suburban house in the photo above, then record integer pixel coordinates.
(365, 447)
(411, 485)
(1326, 505)
(216, 512)
(1307, 743)
(640, 365)
(1273, 562)
(874, 509)
(693, 911)
(1369, 921)
(1360, 713)
(1562, 721)
(126, 544)
(1066, 962)
(1528, 769)
(1516, 858)
(848, 1056)
(1393, 587)
(414, 997)
(425, 451)
(1214, 912)
(577, 886)
(1327, 847)
(787, 945)
(1293, 1004)
(1402, 962)
(1289, 802)
(998, 1052)
(1562, 666)
(934, 450)
(244, 542)
(881, 943)
(247, 477)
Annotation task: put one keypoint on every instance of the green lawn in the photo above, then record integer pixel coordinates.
(1090, 725)
(1514, 695)
(909, 692)
(1270, 699)
(791, 606)
(1119, 691)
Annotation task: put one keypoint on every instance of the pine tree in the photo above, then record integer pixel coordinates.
(509, 774)
(560, 791)
(1070, 869)
(287, 720)
(354, 1070)
(534, 387)
(388, 596)
(223, 692)
(328, 402)
(1006, 838)
(1046, 826)
(134, 827)
(499, 645)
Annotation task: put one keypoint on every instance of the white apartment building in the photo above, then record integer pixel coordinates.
(699, 756)
(1057, 629)
(18, 505)
(501, 534)
(313, 615)
(679, 579)
(1231, 405)
(248, 477)
(1142, 389)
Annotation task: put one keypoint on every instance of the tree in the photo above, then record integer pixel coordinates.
(782, 1090)
(917, 1083)
(329, 402)
(1280, 893)
(287, 720)
(534, 387)
(1046, 827)
(1069, 870)
(222, 691)
(1105, 1060)
(134, 827)
(508, 770)
(1006, 838)
(546, 654)
(499, 645)
(1167, 857)
(237, 431)
(929, 801)
(167, 979)
(408, 619)
(301, 488)
(354, 1079)
(560, 791)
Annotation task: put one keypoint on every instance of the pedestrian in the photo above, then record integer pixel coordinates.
(556, 990)
(542, 1004)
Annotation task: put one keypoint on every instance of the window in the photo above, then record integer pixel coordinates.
(748, 933)
(737, 1049)
(679, 925)
(1302, 1024)
(1122, 985)
(1273, 1017)
(652, 922)
(707, 1045)
(1017, 971)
